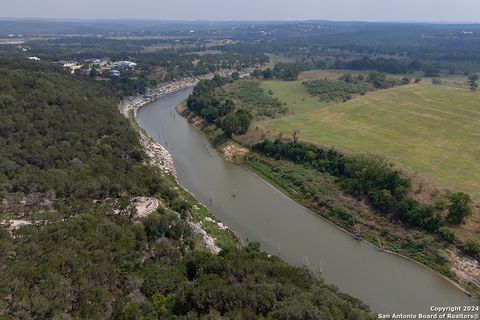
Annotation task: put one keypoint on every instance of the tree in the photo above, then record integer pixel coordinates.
(472, 81)
(287, 70)
(378, 79)
(229, 124)
(244, 120)
(210, 114)
(347, 78)
(227, 107)
(267, 73)
(295, 137)
(471, 247)
(257, 73)
(235, 76)
(460, 208)
(93, 73)
(236, 123)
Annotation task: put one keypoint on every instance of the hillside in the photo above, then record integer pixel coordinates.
(70, 165)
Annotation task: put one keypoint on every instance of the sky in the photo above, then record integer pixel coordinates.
(359, 10)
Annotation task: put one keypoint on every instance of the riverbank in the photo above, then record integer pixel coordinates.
(375, 230)
(158, 155)
(257, 212)
(385, 236)
(229, 150)
(214, 234)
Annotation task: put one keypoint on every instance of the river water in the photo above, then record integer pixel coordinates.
(259, 212)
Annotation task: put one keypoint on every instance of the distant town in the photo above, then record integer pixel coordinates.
(103, 66)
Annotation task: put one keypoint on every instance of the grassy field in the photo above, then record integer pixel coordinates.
(294, 94)
(432, 130)
(456, 81)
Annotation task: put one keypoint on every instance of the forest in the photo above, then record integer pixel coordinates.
(69, 160)
(63, 141)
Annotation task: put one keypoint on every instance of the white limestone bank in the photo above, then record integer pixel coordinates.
(157, 154)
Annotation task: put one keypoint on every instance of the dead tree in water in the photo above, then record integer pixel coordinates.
(306, 262)
(356, 230)
(320, 269)
(380, 245)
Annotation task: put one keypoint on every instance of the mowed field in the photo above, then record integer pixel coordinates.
(430, 130)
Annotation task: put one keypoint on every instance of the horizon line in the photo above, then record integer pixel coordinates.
(399, 21)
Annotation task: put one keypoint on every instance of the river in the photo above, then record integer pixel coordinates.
(259, 212)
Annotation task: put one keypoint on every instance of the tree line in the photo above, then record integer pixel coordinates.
(288, 71)
(374, 179)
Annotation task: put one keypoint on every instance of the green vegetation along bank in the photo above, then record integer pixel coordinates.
(69, 166)
(364, 194)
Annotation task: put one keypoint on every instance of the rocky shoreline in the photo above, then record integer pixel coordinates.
(157, 154)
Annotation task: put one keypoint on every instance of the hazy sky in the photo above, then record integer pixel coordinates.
(372, 10)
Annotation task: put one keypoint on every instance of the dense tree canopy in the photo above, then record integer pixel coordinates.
(205, 101)
(63, 140)
(64, 137)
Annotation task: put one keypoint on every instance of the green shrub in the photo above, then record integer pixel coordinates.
(471, 247)
(335, 90)
(447, 234)
(460, 208)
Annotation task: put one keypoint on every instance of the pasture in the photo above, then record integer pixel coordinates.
(430, 130)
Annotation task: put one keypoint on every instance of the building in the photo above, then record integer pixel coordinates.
(70, 64)
(124, 64)
(114, 73)
(34, 58)
(93, 61)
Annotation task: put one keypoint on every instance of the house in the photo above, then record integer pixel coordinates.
(114, 73)
(93, 61)
(67, 63)
(70, 64)
(34, 58)
(124, 64)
